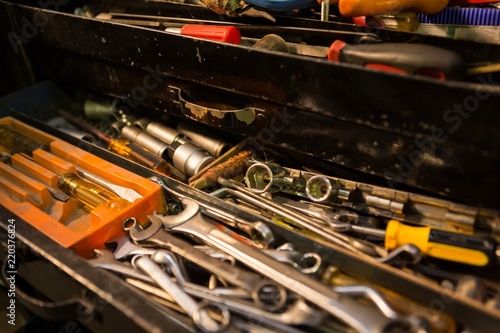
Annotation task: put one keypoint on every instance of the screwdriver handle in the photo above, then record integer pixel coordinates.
(89, 193)
(353, 8)
(139, 155)
(403, 58)
(19, 142)
(466, 249)
(221, 33)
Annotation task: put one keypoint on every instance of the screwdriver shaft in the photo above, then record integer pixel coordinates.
(123, 147)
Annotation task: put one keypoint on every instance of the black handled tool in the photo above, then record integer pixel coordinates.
(405, 58)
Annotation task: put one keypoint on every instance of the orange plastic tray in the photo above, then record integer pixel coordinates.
(23, 190)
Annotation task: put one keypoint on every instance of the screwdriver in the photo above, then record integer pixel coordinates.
(221, 33)
(353, 8)
(445, 245)
(402, 58)
(122, 191)
(123, 147)
(226, 34)
(12, 139)
(88, 193)
(466, 249)
(418, 59)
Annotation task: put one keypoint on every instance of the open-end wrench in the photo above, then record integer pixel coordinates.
(267, 293)
(257, 230)
(105, 260)
(125, 248)
(352, 312)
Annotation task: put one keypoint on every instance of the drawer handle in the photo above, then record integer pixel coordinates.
(216, 109)
(52, 311)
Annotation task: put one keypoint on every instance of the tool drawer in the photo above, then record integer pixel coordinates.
(157, 182)
(427, 129)
(410, 286)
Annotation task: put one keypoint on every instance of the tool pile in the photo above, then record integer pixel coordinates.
(171, 189)
(241, 243)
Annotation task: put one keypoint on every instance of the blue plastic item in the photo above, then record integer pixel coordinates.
(281, 5)
(464, 16)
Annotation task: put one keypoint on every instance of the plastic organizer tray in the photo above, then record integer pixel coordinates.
(24, 191)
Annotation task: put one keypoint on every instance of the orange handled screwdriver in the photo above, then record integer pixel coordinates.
(353, 8)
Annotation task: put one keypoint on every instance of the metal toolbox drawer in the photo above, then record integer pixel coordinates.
(368, 128)
(100, 301)
(425, 141)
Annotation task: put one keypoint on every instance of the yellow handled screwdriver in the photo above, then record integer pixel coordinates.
(88, 193)
(461, 248)
(466, 249)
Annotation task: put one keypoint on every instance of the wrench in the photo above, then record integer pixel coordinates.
(125, 248)
(298, 313)
(197, 312)
(267, 293)
(361, 317)
(404, 254)
(312, 224)
(257, 230)
(106, 260)
(165, 257)
(306, 263)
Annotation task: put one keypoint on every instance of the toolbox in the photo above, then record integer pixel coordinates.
(394, 133)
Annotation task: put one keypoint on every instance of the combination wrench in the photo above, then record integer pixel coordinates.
(257, 230)
(190, 221)
(311, 224)
(297, 313)
(266, 293)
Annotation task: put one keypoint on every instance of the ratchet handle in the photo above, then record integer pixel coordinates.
(466, 249)
(404, 58)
